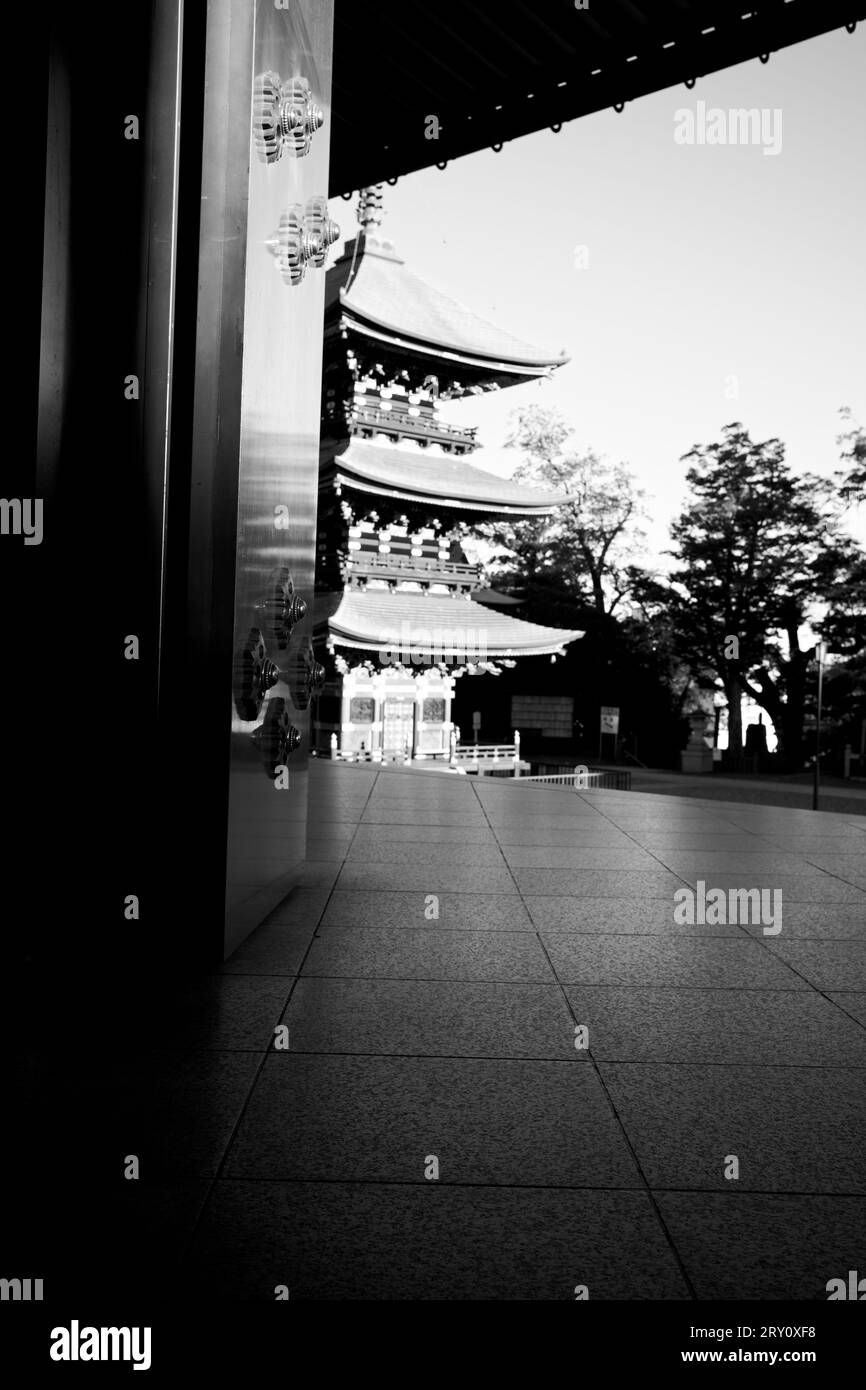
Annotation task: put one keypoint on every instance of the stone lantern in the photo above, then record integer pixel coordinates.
(697, 756)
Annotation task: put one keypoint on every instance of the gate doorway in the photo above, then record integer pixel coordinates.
(398, 727)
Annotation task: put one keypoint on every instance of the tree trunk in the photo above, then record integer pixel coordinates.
(784, 701)
(791, 725)
(767, 695)
(597, 590)
(734, 697)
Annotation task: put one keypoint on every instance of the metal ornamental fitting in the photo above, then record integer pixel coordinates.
(254, 677)
(281, 609)
(285, 117)
(276, 738)
(308, 676)
(291, 246)
(323, 232)
(279, 734)
(304, 236)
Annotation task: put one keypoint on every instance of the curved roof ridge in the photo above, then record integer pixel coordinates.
(370, 619)
(438, 478)
(375, 284)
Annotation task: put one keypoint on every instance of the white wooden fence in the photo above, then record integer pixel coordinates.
(485, 759)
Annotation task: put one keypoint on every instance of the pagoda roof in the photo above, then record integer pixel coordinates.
(373, 619)
(376, 295)
(435, 478)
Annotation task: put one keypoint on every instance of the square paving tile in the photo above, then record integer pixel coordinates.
(439, 877)
(729, 841)
(329, 829)
(843, 921)
(568, 837)
(300, 907)
(810, 886)
(399, 812)
(457, 911)
(332, 808)
(466, 816)
(842, 841)
(381, 1119)
(390, 832)
(543, 820)
(620, 916)
(686, 819)
(271, 950)
(416, 854)
(747, 865)
(845, 859)
(825, 964)
(793, 1129)
(327, 849)
(854, 1004)
(430, 1018)
(717, 1025)
(708, 962)
(319, 873)
(612, 883)
(745, 1245)
(222, 1013)
(396, 954)
(581, 857)
(431, 1242)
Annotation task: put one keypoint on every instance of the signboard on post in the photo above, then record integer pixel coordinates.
(609, 719)
(609, 724)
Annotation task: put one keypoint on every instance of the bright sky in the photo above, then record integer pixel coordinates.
(705, 262)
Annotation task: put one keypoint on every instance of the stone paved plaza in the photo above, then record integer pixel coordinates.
(414, 1037)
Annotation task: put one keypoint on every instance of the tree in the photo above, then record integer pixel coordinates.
(576, 569)
(758, 549)
(853, 445)
(844, 625)
(651, 624)
(582, 551)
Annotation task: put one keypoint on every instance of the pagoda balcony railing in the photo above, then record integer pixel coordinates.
(413, 426)
(407, 566)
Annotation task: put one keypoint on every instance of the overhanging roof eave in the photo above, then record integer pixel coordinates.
(492, 653)
(375, 620)
(573, 71)
(382, 332)
(439, 499)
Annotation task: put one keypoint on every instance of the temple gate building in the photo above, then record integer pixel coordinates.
(401, 608)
